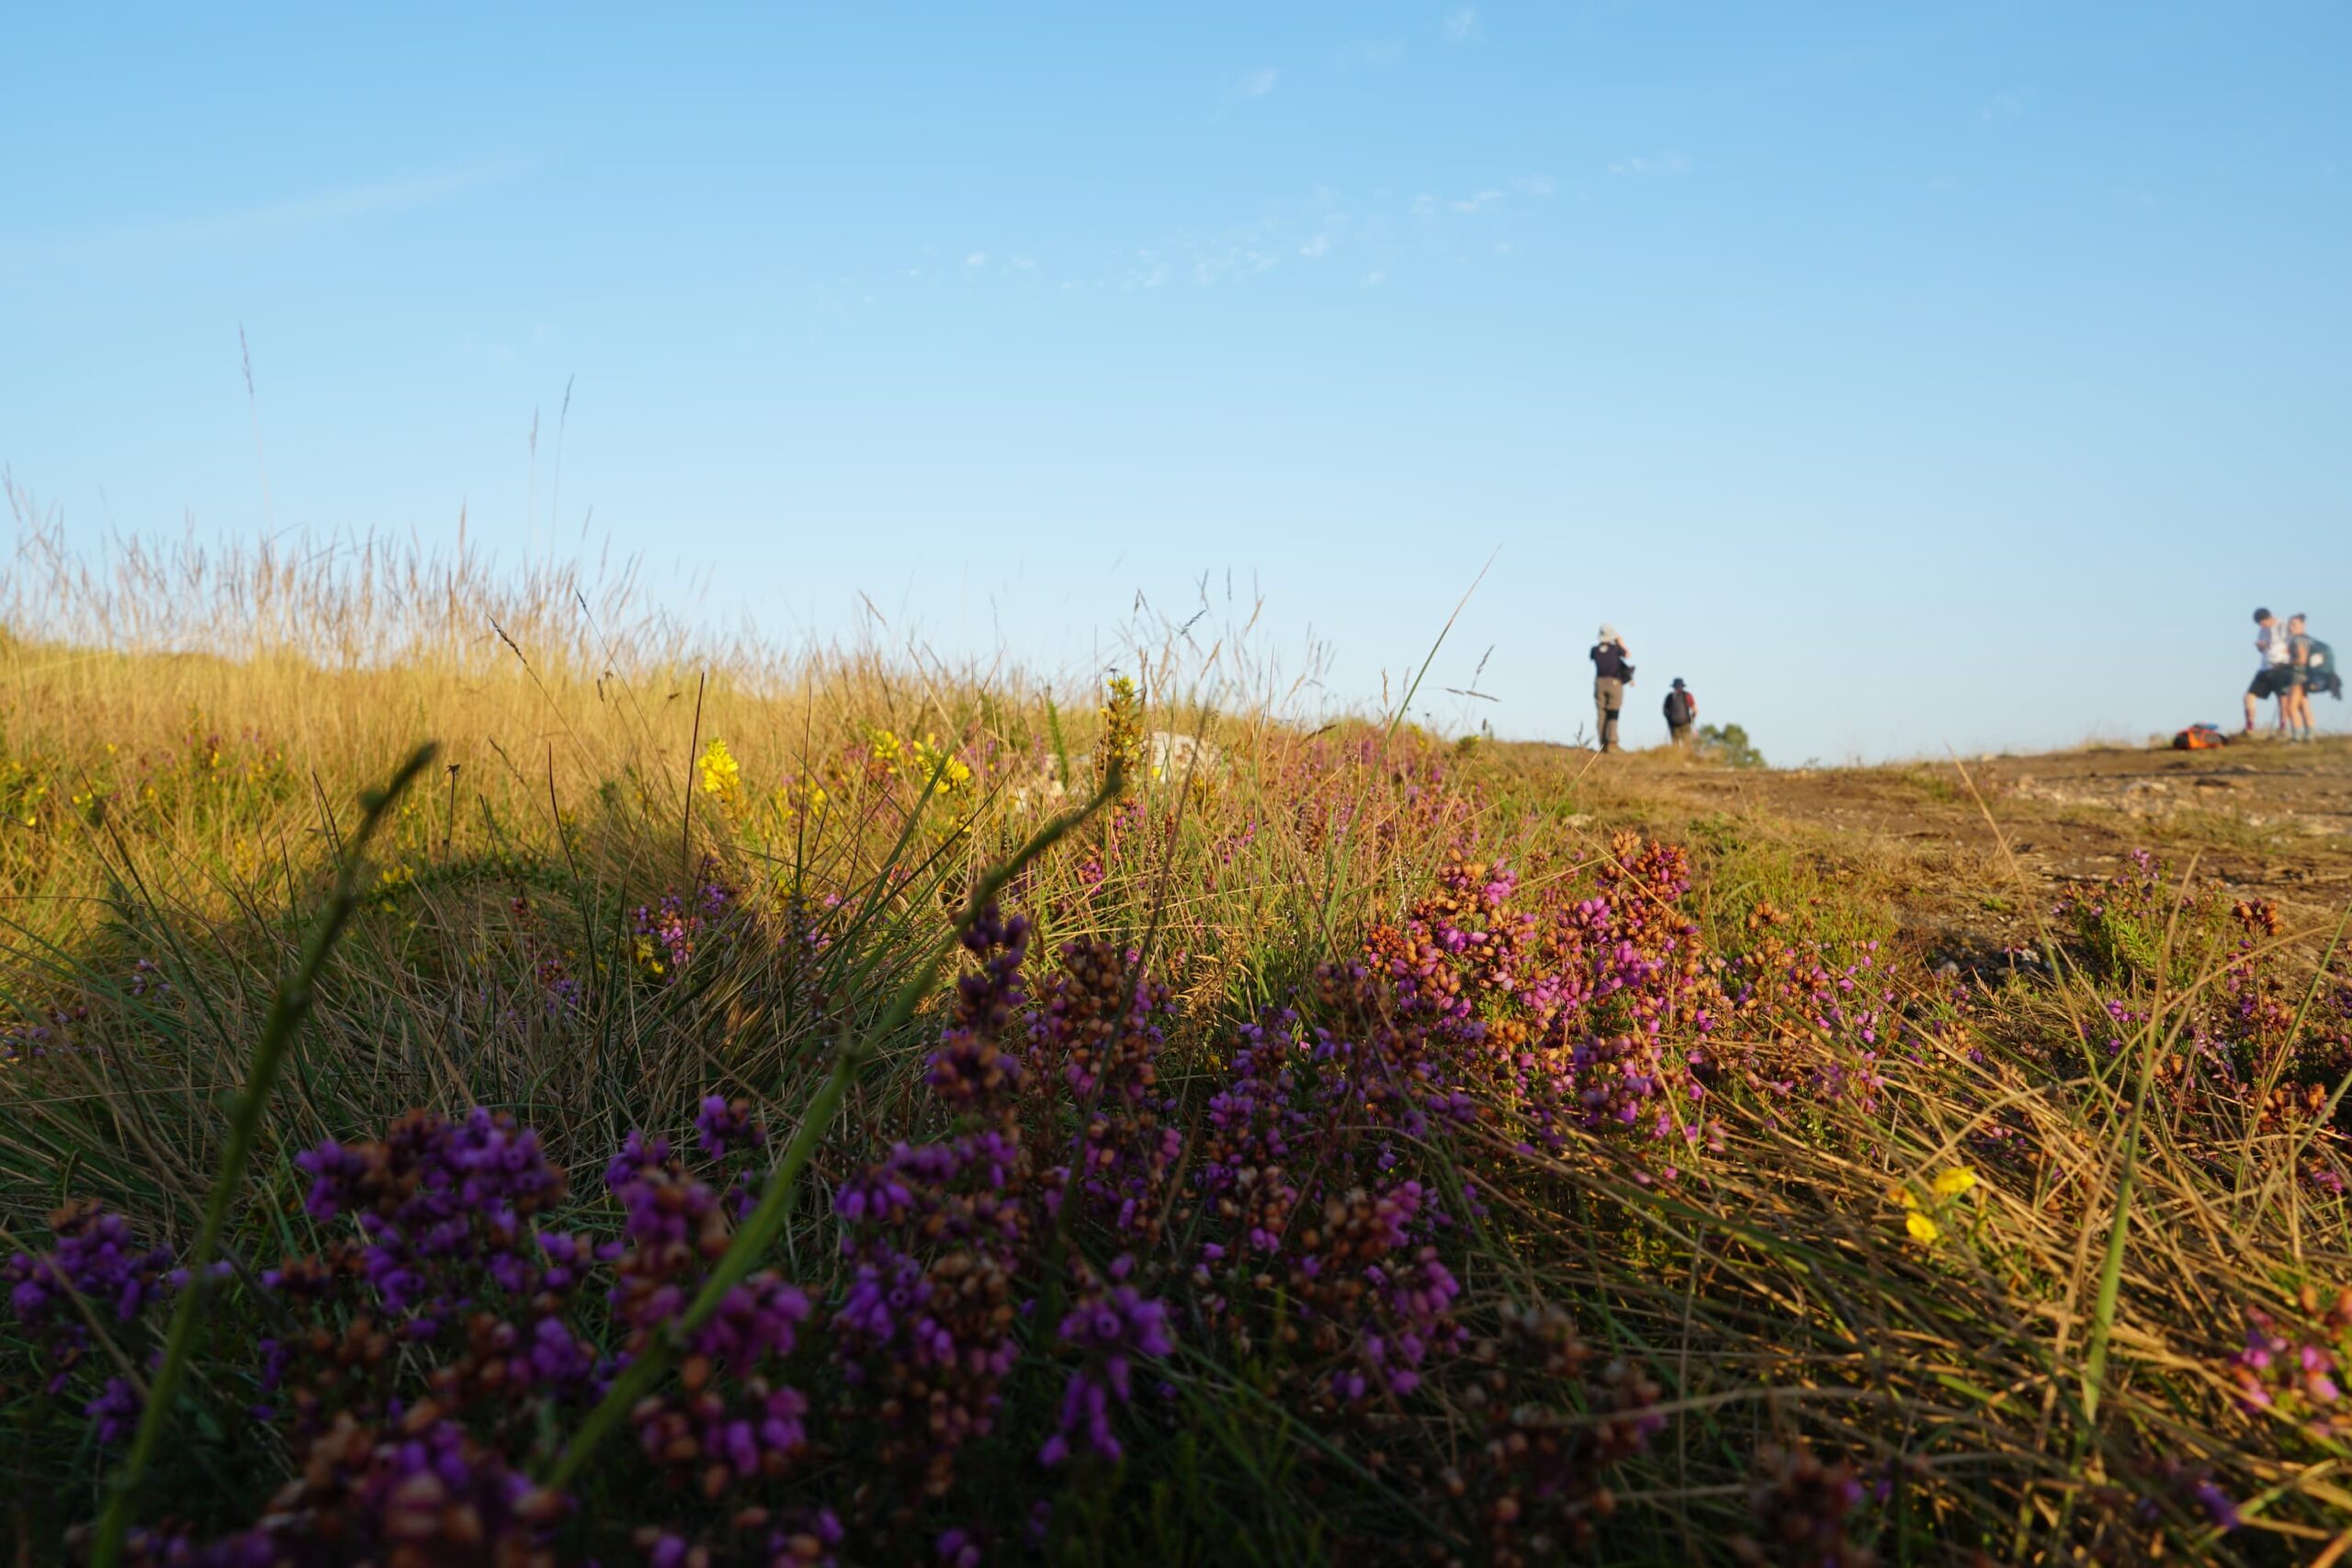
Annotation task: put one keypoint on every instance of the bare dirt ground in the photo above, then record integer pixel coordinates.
(1973, 852)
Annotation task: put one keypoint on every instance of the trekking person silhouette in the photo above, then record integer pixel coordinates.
(2297, 699)
(1681, 711)
(1610, 675)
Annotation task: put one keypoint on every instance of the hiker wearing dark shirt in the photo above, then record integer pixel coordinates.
(1611, 673)
(1681, 711)
(2297, 699)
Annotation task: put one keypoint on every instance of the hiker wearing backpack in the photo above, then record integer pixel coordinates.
(2313, 663)
(1681, 711)
(1611, 673)
(2275, 676)
(2321, 672)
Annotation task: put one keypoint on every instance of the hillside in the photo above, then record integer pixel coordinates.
(843, 1112)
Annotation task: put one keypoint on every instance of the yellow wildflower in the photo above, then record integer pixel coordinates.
(389, 882)
(1954, 1182)
(929, 758)
(806, 796)
(1121, 748)
(721, 774)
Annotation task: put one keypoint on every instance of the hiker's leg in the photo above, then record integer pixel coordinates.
(2253, 705)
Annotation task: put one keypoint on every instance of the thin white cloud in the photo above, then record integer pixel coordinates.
(1462, 25)
(1373, 53)
(1366, 233)
(2005, 105)
(277, 220)
(1257, 84)
(1652, 165)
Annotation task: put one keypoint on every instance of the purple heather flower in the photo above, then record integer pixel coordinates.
(1110, 1331)
(725, 1128)
(114, 1413)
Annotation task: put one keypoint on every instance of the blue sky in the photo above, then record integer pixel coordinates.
(1904, 377)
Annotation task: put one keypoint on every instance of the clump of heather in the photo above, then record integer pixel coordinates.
(93, 1271)
(1079, 1208)
(1097, 1029)
(730, 1419)
(665, 935)
(2248, 1047)
(1805, 1512)
(419, 1492)
(2292, 1363)
(1540, 1487)
(1109, 1329)
(935, 1238)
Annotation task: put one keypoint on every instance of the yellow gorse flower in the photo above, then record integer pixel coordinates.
(930, 757)
(792, 799)
(1955, 1181)
(22, 790)
(390, 883)
(916, 761)
(721, 774)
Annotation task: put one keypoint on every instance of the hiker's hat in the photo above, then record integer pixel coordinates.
(2259, 615)
(1678, 682)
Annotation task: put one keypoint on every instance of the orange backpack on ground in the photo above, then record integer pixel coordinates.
(2199, 738)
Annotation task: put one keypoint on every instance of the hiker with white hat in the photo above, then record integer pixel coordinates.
(1611, 673)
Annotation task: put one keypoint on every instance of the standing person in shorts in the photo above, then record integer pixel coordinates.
(2274, 677)
(1681, 712)
(1611, 673)
(2297, 702)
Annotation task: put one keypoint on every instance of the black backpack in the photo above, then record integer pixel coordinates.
(2320, 673)
(1678, 708)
